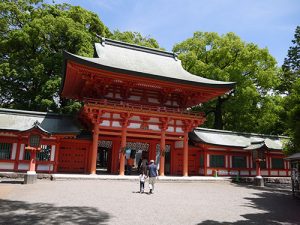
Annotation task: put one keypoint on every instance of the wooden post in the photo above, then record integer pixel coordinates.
(123, 143)
(32, 161)
(162, 152)
(94, 149)
(258, 173)
(185, 154)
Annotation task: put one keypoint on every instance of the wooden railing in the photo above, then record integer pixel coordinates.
(142, 107)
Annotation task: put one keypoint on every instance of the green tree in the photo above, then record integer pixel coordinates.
(134, 38)
(254, 70)
(291, 66)
(293, 111)
(33, 37)
(291, 87)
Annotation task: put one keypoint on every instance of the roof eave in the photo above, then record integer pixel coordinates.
(69, 56)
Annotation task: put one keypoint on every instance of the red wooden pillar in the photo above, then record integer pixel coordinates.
(185, 153)
(123, 143)
(152, 151)
(162, 152)
(268, 159)
(94, 149)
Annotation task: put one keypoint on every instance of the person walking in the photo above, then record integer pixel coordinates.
(152, 174)
(142, 181)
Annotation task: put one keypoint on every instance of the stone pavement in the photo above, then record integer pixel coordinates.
(118, 202)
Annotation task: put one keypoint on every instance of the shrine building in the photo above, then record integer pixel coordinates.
(135, 104)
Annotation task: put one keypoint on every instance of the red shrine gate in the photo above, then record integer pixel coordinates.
(136, 94)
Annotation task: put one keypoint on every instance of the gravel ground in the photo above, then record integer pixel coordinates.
(118, 202)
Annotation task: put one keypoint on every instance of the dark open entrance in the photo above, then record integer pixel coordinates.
(104, 157)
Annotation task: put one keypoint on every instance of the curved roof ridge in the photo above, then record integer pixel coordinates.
(121, 44)
(240, 133)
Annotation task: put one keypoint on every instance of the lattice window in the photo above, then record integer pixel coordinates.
(105, 144)
(217, 161)
(239, 162)
(44, 154)
(263, 165)
(168, 148)
(5, 150)
(138, 146)
(277, 163)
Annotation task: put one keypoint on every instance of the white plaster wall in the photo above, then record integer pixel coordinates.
(134, 125)
(109, 95)
(168, 102)
(154, 120)
(253, 172)
(116, 124)
(274, 173)
(153, 100)
(14, 151)
(135, 118)
(105, 123)
(223, 172)
(244, 173)
(282, 173)
(264, 173)
(52, 156)
(209, 172)
(179, 130)
(106, 115)
(153, 127)
(23, 166)
(179, 122)
(170, 129)
(6, 166)
(21, 151)
(47, 167)
(116, 116)
(178, 144)
(135, 98)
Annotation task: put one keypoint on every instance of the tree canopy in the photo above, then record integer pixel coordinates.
(291, 86)
(250, 107)
(33, 37)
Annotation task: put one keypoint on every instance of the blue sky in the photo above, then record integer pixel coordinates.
(267, 23)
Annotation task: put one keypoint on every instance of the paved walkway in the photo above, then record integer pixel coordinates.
(118, 202)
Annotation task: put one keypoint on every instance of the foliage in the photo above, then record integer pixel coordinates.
(228, 58)
(134, 38)
(33, 37)
(291, 86)
(291, 65)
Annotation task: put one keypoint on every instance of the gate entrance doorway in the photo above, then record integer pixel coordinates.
(104, 156)
(136, 153)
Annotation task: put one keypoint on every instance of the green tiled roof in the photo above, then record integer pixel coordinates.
(19, 120)
(145, 62)
(247, 141)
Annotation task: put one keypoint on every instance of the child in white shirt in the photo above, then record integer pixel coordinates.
(142, 181)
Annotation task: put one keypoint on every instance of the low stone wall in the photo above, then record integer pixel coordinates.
(273, 180)
(14, 175)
